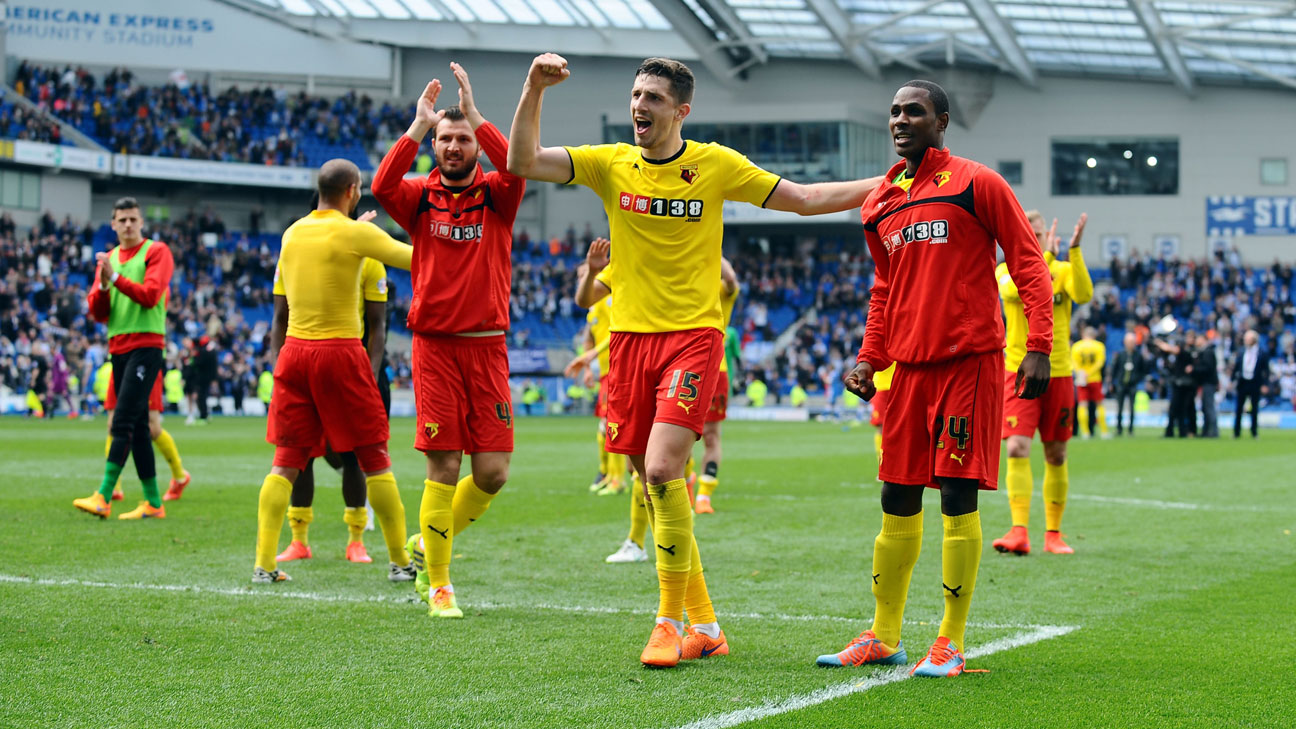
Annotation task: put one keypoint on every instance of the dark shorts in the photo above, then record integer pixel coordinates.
(155, 396)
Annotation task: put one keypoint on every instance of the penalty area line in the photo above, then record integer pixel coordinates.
(883, 678)
(408, 598)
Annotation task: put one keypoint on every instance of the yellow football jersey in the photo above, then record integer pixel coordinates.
(599, 319)
(1071, 285)
(666, 226)
(882, 380)
(319, 271)
(1090, 357)
(373, 284)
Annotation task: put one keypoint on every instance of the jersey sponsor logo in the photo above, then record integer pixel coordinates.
(942, 177)
(688, 173)
(382, 285)
(662, 207)
(456, 232)
(932, 232)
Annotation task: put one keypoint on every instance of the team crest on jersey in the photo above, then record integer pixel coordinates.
(688, 173)
(430, 430)
(942, 177)
(612, 431)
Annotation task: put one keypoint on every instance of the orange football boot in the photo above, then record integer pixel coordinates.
(144, 511)
(356, 553)
(1053, 544)
(1016, 541)
(94, 504)
(295, 550)
(700, 645)
(664, 647)
(177, 487)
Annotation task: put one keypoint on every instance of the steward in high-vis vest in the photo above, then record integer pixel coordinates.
(130, 294)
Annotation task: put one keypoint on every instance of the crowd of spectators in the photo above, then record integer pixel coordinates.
(17, 122)
(191, 120)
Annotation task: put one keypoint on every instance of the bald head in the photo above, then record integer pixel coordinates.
(1251, 338)
(338, 181)
(1090, 333)
(1131, 341)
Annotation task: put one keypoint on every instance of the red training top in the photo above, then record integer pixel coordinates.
(462, 269)
(159, 265)
(934, 295)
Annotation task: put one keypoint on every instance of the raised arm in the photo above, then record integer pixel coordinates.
(398, 196)
(1079, 284)
(821, 197)
(526, 158)
(590, 290)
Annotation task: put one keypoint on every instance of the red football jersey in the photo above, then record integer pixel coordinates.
(463, 267)
(934, 295)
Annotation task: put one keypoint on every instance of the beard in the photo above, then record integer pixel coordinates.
(458, 175)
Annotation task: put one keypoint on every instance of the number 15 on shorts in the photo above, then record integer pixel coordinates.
(684, 386)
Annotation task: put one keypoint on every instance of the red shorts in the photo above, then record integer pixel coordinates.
(719, 409)
(1051, 413)
(155, 397)
(879, 401)
(462, 395)
(600, 405)
(660, 377)
(1091, 392)
(943, 419)
(325, 390)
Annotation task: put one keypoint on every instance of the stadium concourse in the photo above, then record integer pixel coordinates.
(1162, 121)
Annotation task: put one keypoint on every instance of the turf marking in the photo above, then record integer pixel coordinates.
(409, 598)
(890, 676)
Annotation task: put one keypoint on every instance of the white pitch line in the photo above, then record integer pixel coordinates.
(409, 598)
(1174, 505)
(895, 675)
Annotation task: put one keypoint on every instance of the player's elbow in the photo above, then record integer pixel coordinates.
(519, 161)
(585, 299)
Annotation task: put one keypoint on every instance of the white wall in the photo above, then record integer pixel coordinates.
(66, 193)
(1223, 132)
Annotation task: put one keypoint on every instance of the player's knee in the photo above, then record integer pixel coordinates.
(491, 478)
(958, 496)
(659, 471)
(901, 500)
(1055, 454)
(1018, 447)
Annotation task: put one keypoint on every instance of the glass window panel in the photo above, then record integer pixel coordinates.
(620, 14)
(1011, 171)
(422, 9)
(298, 7)
(518, 11)
(334, 7)
(10, 188)
(31, 192)
(648, 14)
(390, 8)
(1273, 171)
(551, 12)
(462, 12)
(1115, 166)
(359, 8)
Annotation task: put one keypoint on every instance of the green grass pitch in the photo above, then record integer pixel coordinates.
(1179, 600)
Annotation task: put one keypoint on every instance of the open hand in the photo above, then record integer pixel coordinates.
(367, 216)
(599, 255)
(1079, 230)
(425, 109)
(466, 103)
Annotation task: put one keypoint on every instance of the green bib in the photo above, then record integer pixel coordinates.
(125, 316)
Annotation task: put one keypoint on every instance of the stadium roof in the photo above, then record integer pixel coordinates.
(1184, 41)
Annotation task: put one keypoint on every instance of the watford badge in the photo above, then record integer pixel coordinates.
(611, 431)
(688, 173)
(942, 177)
(430, 430)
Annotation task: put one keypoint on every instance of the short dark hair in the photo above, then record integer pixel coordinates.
(451, 113)
(335, 177)
(125, 203)
(680, 77)
(934, 91)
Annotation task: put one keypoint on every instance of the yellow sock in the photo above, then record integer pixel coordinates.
(1102, 419)
(1056, 482)
(616, 466)
(895, 551)
(356, 519)
(436, 522)
(389, 510)
(602, 449)
(1082, 414)
(1020, 485)
(707, 485)
(166, 444)
(299, 521)
(673, 533)
(470, 502)
(271, 506)
(960, 558)
(877, 445)
(697, 601)
(638, 513)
